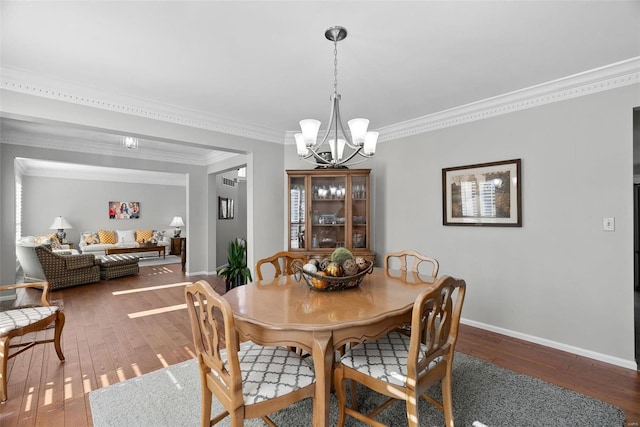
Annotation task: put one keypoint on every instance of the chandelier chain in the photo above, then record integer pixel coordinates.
(335, 67)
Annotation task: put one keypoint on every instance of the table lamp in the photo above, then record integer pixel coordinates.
(59, 223)
(177, 223)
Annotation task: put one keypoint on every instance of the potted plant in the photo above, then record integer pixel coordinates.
(236, 271)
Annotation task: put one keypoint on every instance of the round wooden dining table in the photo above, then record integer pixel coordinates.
(286, 312)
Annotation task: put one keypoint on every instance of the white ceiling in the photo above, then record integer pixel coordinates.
(264, 65)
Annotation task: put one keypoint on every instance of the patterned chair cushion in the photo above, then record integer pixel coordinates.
(384, 359)
(21, 317)
(268, 372)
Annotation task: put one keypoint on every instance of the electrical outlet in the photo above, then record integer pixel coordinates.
(608, 224)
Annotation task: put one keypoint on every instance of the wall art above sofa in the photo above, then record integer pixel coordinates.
(124, 210)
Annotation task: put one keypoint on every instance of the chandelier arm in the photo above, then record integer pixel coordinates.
(347, 136)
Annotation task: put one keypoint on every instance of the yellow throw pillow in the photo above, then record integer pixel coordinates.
(143, 235)
(107, 236)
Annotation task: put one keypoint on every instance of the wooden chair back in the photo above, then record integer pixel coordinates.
(416, 259)
(436, 316)
(281, 262)
(220, 359)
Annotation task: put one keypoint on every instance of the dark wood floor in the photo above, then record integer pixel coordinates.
(123, 328)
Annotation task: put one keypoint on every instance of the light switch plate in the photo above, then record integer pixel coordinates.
(608, 224)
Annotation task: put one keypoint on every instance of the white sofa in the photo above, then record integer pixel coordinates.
(90, 241)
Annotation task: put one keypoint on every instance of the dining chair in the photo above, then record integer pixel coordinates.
(19, 321)
(404, 368)
(281, 262)
(416, 258)
(248, 379)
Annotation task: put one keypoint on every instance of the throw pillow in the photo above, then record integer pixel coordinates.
(126, 236)
(90, 238)
(55, 243)
(144, 235)
(158, 235)
(43, 240)
(107, 236)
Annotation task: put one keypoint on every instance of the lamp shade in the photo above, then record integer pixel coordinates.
(176, 222)
(59, 223)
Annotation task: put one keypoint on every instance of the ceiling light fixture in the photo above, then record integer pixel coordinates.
(130, 142)
(358, 141)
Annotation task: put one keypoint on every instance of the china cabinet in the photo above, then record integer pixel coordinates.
(329, 208)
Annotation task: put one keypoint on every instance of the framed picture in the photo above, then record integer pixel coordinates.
(483, 194)
(225, 208)
(124, 210)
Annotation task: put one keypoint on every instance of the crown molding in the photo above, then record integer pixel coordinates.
(46, 87)
(600, 79)
(49, 169)
(609, 77)
(92, 147)
(619, 74)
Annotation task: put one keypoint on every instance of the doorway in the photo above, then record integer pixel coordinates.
(636, 230)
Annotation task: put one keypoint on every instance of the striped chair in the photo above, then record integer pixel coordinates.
(19, 321)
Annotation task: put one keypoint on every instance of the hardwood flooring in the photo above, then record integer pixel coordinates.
(122, 328)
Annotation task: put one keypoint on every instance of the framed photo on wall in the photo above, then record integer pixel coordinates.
(486, 194)
(225, 208)
(124, 210)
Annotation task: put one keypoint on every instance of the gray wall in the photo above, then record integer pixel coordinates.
(84, 204)
(559, 280)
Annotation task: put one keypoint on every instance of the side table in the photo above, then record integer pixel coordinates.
(176, 245)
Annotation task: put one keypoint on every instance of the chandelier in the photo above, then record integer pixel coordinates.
(358, 141)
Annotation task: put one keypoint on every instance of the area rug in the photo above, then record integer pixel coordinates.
(484, 395)
(151, 261)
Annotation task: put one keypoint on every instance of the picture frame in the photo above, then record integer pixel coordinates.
(483, 194)
(124, 210)
(225, 208)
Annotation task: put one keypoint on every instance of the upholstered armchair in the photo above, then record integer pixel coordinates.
(62, 271)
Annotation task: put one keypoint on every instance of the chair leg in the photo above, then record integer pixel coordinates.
(58, 334)
(447, 401)
(341, 394)
(4, 355)
(412, 409)
(205, 415)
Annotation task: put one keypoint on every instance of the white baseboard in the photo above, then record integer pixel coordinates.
(9, 297)
(201, 273)
(629, 364)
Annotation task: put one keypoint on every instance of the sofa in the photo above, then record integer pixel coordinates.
(97, 242)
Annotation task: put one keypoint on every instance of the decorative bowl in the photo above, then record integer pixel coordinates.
(331, 283)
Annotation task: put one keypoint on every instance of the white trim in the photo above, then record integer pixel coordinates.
(10, 297)
(46, 87)
(619, 74)
(629, 364)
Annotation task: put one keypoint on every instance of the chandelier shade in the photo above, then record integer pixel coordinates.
(357, 142)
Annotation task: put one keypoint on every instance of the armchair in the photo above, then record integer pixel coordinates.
(62, 271)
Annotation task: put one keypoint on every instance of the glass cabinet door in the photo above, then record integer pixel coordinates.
(359, 214)
(297, 214)
(328, 212)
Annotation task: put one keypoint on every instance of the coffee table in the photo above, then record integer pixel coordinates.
(159, 248)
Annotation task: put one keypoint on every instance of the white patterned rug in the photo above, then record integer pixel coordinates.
(484, 394)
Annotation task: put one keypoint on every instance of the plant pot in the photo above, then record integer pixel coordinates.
(233, 282)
